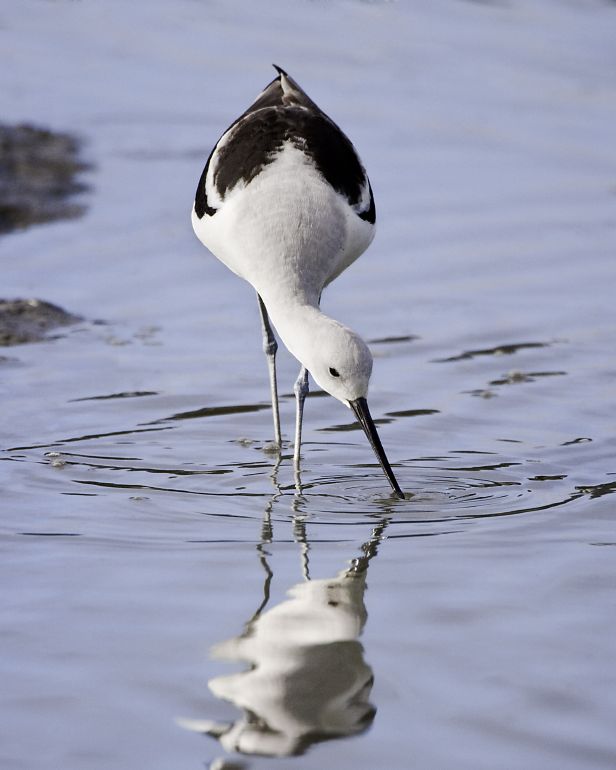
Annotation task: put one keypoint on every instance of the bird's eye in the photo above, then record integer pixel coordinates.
(334, 372)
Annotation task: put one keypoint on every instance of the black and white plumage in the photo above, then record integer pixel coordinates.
(283, 112)
(285, 203)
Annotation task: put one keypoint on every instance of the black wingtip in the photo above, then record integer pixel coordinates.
(279, 70)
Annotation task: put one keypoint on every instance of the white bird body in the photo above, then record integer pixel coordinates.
(287, 232)
(285, 203)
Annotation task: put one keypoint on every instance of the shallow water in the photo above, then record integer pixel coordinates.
(151, 542)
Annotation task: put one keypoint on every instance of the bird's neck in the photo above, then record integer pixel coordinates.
(299, 321)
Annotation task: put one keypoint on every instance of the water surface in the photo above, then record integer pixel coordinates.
(162, 578)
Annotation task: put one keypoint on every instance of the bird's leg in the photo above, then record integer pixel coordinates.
(270, 346)
(301, 391)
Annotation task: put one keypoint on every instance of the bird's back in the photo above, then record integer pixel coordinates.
(283, 168)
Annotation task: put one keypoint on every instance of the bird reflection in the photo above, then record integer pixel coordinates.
(306, 679)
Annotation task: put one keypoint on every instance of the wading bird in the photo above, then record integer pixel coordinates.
(285, 203)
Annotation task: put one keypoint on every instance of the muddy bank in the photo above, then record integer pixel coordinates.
(29, 320)
(38, 183)
(38, 170)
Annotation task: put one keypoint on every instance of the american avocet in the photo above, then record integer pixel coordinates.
(285, 203)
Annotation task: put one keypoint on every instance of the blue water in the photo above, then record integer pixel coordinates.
(162, 579)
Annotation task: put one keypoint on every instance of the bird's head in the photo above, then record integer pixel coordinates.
(341, 362)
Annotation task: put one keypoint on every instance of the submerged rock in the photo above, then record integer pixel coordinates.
(37, 176)
(29, 320)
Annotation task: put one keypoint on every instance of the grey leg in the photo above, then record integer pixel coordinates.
(301, 391)
(270, 346)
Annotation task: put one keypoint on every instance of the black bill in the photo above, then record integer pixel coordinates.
(360, 407)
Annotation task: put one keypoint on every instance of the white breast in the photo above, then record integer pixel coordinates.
(288, 227)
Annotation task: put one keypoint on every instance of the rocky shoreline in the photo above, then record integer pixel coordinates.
(39, 172)
(38, 176)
